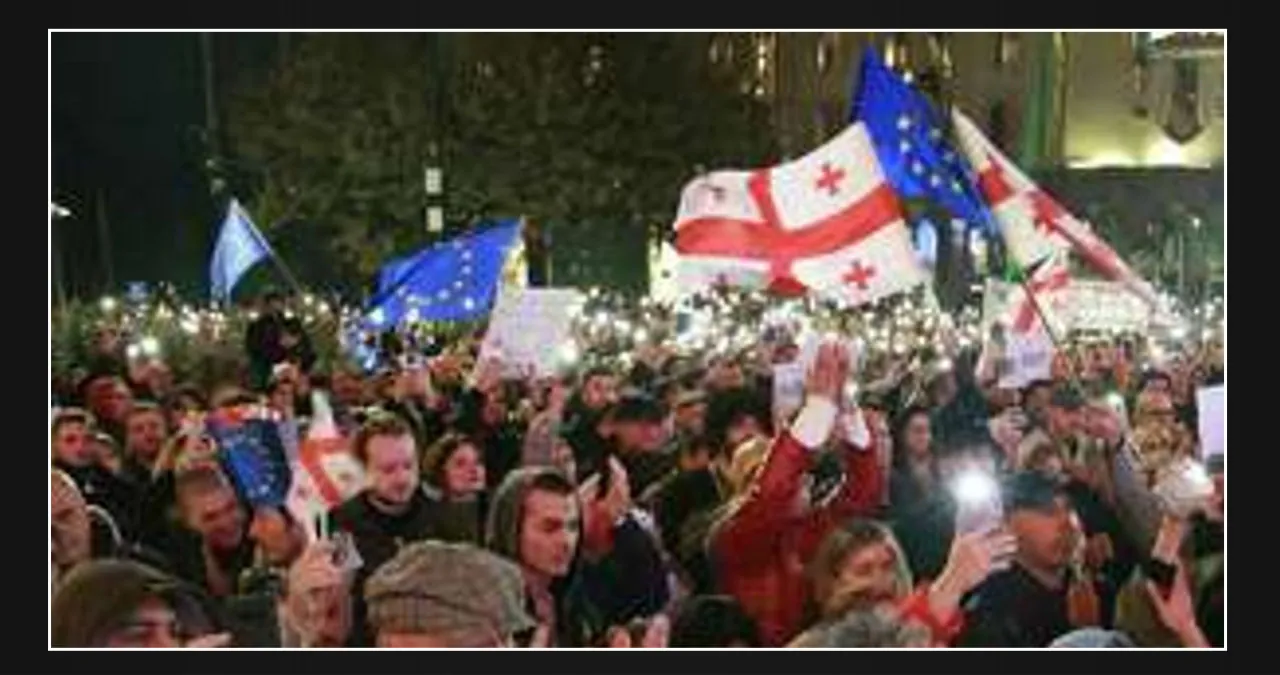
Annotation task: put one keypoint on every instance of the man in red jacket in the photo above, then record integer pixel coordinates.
(770, 532)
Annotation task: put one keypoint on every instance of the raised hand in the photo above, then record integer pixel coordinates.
(1177, 612)
(656, 635)
(829, 372)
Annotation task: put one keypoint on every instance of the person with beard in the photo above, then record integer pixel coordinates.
(388, 514)
(535, 521)
(1039, 597)
(583, 415)
(1109, 550)
(219, 542)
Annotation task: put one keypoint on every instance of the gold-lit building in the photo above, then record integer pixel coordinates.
(1084, 100)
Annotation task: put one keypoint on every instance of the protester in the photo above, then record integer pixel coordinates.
(274, 337)
(713, 621)
(73, 455)
(769, 529)
(861, 568)
(393, 510)
(869, 629)
(583, 415)
(436, 594)
(317, 608)
(124, 604)
(69, 517)
(146, 434)
(1039, 597)
(655, 486)
(635, 432)
(535, 521)
(453, 475)
(109, 400)
(624, 571)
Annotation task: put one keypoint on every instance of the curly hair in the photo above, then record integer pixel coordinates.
(437, 456)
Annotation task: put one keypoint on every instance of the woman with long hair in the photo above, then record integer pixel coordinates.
(453, 477)
(861, 567)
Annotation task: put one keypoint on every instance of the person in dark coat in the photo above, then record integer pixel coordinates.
(275, 338)
(624, 572)
(392, 512)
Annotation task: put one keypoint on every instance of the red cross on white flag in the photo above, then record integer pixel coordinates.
(1033, 224)
(826, 223)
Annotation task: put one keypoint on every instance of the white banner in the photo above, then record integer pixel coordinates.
(1211, 405)
(1028, 357)
(527, 328)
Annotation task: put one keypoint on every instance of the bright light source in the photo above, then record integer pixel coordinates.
(1104, 159)
(1165, 152)
(975, 487)
(150, 346)
(568, 353)
(108, 303)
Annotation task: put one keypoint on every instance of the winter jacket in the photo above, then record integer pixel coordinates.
(761, 549)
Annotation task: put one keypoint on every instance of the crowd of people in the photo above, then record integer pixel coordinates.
(657, 500)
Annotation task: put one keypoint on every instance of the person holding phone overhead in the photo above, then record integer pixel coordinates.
(1039, 598)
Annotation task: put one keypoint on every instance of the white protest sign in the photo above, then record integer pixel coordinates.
(788, 389)
(1029, 356)
(528, 327)
(1211, 404)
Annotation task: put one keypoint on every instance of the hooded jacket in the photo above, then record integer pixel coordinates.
(578, 623)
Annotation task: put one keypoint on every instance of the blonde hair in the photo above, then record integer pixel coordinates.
(830, 599)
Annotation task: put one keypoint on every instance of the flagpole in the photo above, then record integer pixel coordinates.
(1048, 328)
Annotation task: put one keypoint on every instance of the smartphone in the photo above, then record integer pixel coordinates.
(978, 504)
(1161, 573)
(345, 555)
(606, 477)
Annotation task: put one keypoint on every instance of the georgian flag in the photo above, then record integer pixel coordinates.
(826, 223)
(1033, 225)
(325, 473)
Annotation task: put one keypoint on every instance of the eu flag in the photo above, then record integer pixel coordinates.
(911, 145)
(453, 280)
(240, 246)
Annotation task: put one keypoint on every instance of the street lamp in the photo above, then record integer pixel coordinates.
(433, 179)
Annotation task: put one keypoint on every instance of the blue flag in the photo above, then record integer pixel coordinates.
(450, 281)
(240, 246)
(917, 159)
(253, 456)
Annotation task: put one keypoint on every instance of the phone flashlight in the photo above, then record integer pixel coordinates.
(979, 508)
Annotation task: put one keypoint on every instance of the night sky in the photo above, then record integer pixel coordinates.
(127, 111)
